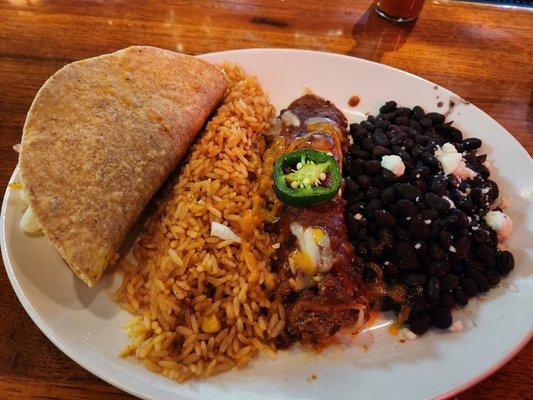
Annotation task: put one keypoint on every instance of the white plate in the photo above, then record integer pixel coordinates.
(86, 325)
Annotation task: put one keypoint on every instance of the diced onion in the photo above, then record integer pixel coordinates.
(29, 222)
(223, 232)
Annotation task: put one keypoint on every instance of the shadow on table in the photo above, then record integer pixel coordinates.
(374, 36)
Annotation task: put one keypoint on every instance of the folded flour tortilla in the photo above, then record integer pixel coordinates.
(101, 137)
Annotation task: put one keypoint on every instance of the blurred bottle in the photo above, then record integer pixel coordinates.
(399, 10)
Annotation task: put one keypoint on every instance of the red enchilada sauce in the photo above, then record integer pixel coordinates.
(334, 298)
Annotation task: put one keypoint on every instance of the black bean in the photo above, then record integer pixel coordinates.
(401, 120)
(421, 172)
(454, 134)
(472, 144)
(415, 280)
(470, 287)
(505, 262)
(389, 116)
(373, 205)
(445, 238)
(398, 139)
(405, 208)
(448, 282)
(493, 276)
(491, 190)
(379, 182)
(428, 214)
(440, 128)
(435, 118)
(372, 167)
(367, 125)
(401, 234)
(373, 192)
(435, 141)
(458, 268)
(486, 255)
(359, 134)
(460, 296)
(364, 181)
(358, 153)
(436, 202)
(415, 125)
(402, 153)
(480, 235)
(418, 112)
(350, 187)
(483, 171)
(480, 280)
(384, 218)
(420, 324)
(367, 144)
(380, 151)
(463, 203)
(405, 111)
(418, 229)
(354, 127)
(388, 107)
(441, 317)
(352, 225)
(406, 254)
(380, 139)
(425, 122)
(433, 290)
(456, 219)
(439, 268)
(470, 157)
(354, 167)
(475, 265)
(447, 300)
(462, 248)
(430, 160)
(421, 140)
(417, 301)
(439, 185)
(436, 253)
(407, 191)
(388, 176)
(481, 158)
(463, 186)
(383, 124)
(389, 195)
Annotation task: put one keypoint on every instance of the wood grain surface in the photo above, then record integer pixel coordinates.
(483, 53)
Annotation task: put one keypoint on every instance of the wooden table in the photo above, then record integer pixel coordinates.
(483, 53)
